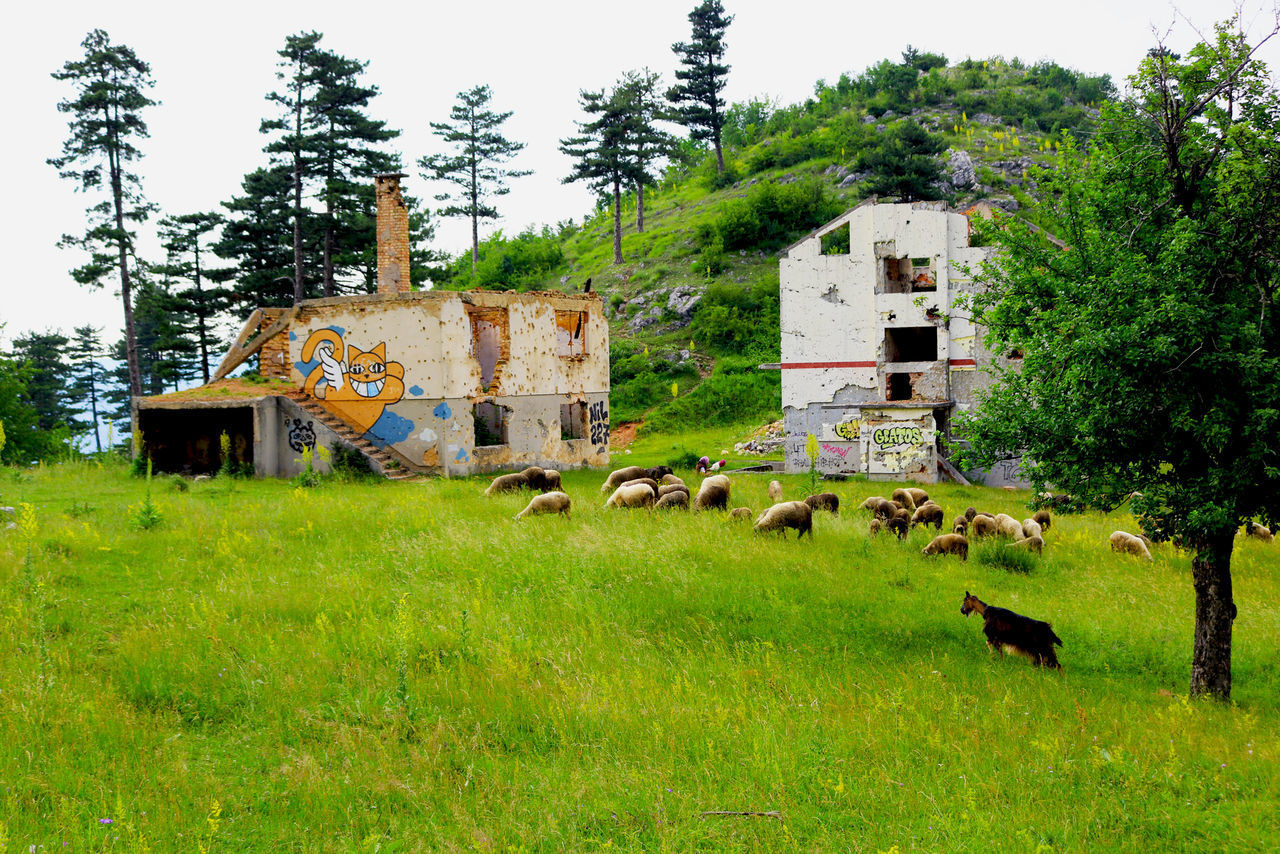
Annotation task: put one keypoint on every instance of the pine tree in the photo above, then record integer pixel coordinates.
(475, 163)
(604, 151)
(699, 105)
(181, 237)
(649, 143)
(258, 237)
(906, 163)
(106, 118)
(87, 373)
(48, 389)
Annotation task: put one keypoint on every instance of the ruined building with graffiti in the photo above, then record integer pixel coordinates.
(429, 382)
(875, 362)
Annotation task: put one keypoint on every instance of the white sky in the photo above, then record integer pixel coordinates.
(213, 63)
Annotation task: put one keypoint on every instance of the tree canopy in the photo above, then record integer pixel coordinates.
(1151, 345)
(697, 95)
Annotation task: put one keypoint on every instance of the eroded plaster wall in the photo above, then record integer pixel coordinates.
(405, 372)
(835, 312)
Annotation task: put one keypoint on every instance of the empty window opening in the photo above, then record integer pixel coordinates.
(895, 276)
(573, 421)
(923, 277)
(490, 341)
(571, 333)
(836, 242)
(897, 387)
(490, 424)
(911, 344)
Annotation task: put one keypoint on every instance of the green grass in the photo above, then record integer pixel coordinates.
(400, 667)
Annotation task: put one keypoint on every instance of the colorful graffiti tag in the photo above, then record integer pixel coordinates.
(887, 437)
(358, 388)
(848, 429)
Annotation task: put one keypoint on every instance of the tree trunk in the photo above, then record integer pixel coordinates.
(328, 246)
(131, 341)
(201, 317)
(640, 207)
(1215, 612)
(93, 404)
(475, 212)
(617, 222)
(298, 292)
(719, 156)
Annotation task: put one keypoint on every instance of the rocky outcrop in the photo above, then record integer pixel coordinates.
(961, 168)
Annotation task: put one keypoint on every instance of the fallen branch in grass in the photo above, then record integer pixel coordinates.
(770, 814)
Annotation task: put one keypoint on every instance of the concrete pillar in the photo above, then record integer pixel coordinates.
(393, 235)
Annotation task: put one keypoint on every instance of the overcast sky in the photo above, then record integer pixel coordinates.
(213, 63)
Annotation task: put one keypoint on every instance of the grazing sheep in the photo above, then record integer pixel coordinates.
(647, 481)
(620, 476)
(788, 514)
(969, 513)
(547, 502)
(885, 509)
(678, 499)
(640, 495)
(536, 478)
(898, 524)
(1129, 544)
(1031, 528)
(713, 494)
(668, 479)
(513, 482)
(871, 503)
(928, 514)
(919, 496)
(1261, 532)
(960, 526)
(1007, 526)
(657, 472)
(984, 526)
(775, 491)
(1042, 516)
(904, 498)
(551, 481)
(947, 544)
(740, 513)
(1006, 630)
(828, 501)
(672, 487)
(877, 525)
(1032, 542)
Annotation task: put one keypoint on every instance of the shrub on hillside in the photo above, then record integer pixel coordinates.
(770, 215)
(739, 320)
(736, 392)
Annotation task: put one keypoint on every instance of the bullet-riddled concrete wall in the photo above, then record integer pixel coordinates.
(407, 373)
(869, 336)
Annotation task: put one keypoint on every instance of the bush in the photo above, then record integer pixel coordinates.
(770, 215)
(1000, 555)
(736, 392)
(740, 320)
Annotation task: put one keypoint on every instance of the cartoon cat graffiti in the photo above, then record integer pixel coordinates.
(358, 388)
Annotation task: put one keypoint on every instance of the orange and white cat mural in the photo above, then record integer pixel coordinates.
(357, 388)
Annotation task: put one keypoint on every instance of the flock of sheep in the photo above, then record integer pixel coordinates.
(657, 487)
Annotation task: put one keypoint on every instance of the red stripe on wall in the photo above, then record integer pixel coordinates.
(963, 363)
(789, 366)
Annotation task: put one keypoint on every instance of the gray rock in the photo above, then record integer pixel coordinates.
(962, 172)
(868, 119)
(984, 119)
(645, 318)
(683, 300)
(1008, 205)
(853, 178)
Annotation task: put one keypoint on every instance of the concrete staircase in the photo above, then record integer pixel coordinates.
(385, 461)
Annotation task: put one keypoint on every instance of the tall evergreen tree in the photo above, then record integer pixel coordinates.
(475, 162)
(106, 119)
(905, 163)
(258, 237)
(649, 143)
(49, 387)
(88, 373)
(603, 150)
(703, 77)
(182, 238)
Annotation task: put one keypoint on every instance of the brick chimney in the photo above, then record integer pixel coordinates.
(393, 235)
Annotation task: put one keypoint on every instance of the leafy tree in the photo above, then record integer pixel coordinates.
(474, 164)
(603, 150)
(181, 237)
(649, 143)
(110, 85)
(703, 77)
(923, 62)
(88, 374)
(24, 441)
(48, 387)
(905, 163)
(1151, 347)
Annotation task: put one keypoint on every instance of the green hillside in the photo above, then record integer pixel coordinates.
(694, 306)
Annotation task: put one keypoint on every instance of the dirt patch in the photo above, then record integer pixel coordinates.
(624, 434)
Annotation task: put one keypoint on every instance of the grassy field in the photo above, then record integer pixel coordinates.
(401, 667)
